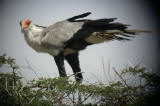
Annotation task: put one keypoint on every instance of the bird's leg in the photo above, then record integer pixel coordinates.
(73, 61)
(59, 59)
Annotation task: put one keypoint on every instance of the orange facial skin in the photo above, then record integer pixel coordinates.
(27, 23)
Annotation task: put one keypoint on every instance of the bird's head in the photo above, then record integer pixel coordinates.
(25, 24)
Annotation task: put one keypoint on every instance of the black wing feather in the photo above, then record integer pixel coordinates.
(72, 19)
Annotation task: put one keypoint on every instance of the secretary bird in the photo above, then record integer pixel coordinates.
(64, 39)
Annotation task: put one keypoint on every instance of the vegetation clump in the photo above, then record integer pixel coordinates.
(141, 88)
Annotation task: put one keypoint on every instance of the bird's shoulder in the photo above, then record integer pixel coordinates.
(63, 27)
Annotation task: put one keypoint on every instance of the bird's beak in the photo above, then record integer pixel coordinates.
(20, 23)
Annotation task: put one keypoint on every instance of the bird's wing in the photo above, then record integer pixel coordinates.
(98, 31)
(59, 33)
(73, 19)
(90, 31)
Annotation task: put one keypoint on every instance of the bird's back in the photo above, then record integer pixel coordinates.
(60, 32)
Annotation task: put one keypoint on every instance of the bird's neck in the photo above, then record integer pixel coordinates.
(33, 35)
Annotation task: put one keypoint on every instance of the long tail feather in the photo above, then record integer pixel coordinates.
(135, 31)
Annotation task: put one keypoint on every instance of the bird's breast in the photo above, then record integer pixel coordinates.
(35, 43)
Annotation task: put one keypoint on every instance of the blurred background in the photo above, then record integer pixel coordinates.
(141, 14)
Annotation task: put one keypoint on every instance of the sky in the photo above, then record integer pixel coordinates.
(143, 49)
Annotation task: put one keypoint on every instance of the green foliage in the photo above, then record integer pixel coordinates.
(62, 91)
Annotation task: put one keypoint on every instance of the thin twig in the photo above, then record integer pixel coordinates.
(61, 98)
(29, 67)
(109, 69)
(6, 87)
(120, 77)
(68, 95)
(104, 70)
(86, 98)
(79, 99)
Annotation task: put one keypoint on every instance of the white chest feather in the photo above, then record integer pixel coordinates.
(33, 39)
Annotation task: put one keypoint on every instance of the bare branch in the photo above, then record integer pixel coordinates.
(30, 67)
(120, 77)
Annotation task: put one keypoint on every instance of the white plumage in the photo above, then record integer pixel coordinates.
(51, 39)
